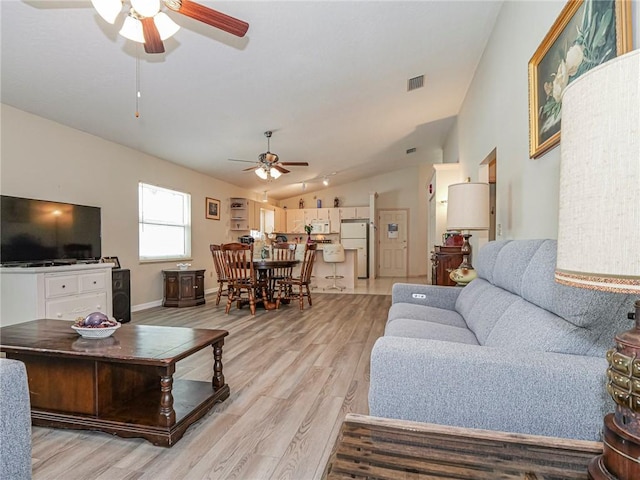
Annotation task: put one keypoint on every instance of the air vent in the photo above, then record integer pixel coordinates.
(411, 150)
(415, 82)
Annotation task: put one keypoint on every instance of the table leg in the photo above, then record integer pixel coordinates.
(166, 413)
(218, 376)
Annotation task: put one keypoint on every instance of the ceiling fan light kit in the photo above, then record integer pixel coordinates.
(108, 9)
(145, 23)
(146, 8)
(269, 166)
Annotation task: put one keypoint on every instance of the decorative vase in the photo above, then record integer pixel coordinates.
(308, 238)
(462, 276)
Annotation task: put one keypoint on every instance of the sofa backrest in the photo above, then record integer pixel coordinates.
(516, 303)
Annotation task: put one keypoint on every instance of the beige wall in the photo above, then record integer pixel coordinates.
(404, 188)
(46, 160)
(494, 114)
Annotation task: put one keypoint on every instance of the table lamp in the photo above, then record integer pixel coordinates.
(599, 218)
(467, 209)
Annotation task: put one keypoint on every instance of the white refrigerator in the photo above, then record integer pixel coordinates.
(354, 235)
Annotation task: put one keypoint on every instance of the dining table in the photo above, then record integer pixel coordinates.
(264, 267)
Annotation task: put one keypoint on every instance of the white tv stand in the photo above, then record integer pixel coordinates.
(58, 292)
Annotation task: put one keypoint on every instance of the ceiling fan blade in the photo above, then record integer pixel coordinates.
(280, 169)
(152, 41)
(211, 17)
(238, 160)
(250, 168)
(295, 164)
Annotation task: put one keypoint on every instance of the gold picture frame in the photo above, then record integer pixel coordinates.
(212, 209)
(586, 34)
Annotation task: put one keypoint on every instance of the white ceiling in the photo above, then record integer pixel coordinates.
(328, 77)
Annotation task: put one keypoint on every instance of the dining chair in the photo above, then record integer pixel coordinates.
(282, 251)
(286, 287)
(242, 275)
(221, 271)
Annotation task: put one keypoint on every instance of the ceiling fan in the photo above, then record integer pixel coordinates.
(146, 23)
(269, 167)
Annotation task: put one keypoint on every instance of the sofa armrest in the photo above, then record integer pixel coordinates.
(431, 295)
(15, 421)
(473, 386)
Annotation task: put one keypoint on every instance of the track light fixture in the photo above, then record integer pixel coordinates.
(325, 181)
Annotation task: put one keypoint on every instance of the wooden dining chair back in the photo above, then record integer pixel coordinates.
(242, 276)
(298, 288)
(220, 266)
(282, 251)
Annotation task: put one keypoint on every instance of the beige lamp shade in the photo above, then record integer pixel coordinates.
(599, 212)
(468, 206)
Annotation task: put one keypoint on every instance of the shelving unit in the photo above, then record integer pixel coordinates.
(239, 209)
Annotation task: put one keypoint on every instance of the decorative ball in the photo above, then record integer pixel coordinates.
(95, 319)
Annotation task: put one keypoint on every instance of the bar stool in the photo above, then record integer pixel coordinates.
(333, 253)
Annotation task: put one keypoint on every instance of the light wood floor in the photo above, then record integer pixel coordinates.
(293, 378)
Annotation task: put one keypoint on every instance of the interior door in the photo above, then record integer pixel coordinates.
(393, 243)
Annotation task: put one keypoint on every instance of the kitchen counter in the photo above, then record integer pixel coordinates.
(322, 269)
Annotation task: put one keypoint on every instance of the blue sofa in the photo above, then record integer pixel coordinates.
(15, 421)
(512, 351)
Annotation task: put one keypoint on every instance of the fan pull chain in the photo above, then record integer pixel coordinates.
(138, 80)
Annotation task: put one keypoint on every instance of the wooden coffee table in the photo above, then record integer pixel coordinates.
(376, 448)
(122, 384)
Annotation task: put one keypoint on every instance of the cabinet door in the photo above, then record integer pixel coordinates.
(347, 213)
(187, 286)
(199, 285)
(334, 220)
(295, 221)
(363, 212)
(310, 215)
(277, 220)
(323, 214)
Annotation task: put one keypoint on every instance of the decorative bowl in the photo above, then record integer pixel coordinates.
(183, 266)
(96, 332)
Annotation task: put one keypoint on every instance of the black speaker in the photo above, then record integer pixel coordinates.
(121, 286)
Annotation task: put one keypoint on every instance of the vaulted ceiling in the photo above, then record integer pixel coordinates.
(329, 78)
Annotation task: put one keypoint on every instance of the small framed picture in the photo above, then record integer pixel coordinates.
(212, 209)
(113, 260)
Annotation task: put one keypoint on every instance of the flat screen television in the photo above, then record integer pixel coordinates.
(42, 232)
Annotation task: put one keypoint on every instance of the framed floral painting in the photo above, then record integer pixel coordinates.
(586, 34)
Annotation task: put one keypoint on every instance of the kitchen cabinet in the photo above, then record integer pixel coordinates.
(322, 214)
(183, 288)
(279, 220)
(334, 220)
(254, 214)
(310, 215)
(295, 221)
(347, 213)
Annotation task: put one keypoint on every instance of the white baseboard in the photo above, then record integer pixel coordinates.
(158, 303)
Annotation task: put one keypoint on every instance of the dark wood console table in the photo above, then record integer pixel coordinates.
(375, 448)
(122, 384)
(444, 259)
(183, 288)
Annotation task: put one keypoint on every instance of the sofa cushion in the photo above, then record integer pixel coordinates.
(410, 328)
(481, 305)
(423, 312)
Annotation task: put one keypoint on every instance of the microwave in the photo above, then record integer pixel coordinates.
(320, 227)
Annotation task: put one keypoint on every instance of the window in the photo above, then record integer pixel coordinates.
(164, 223)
